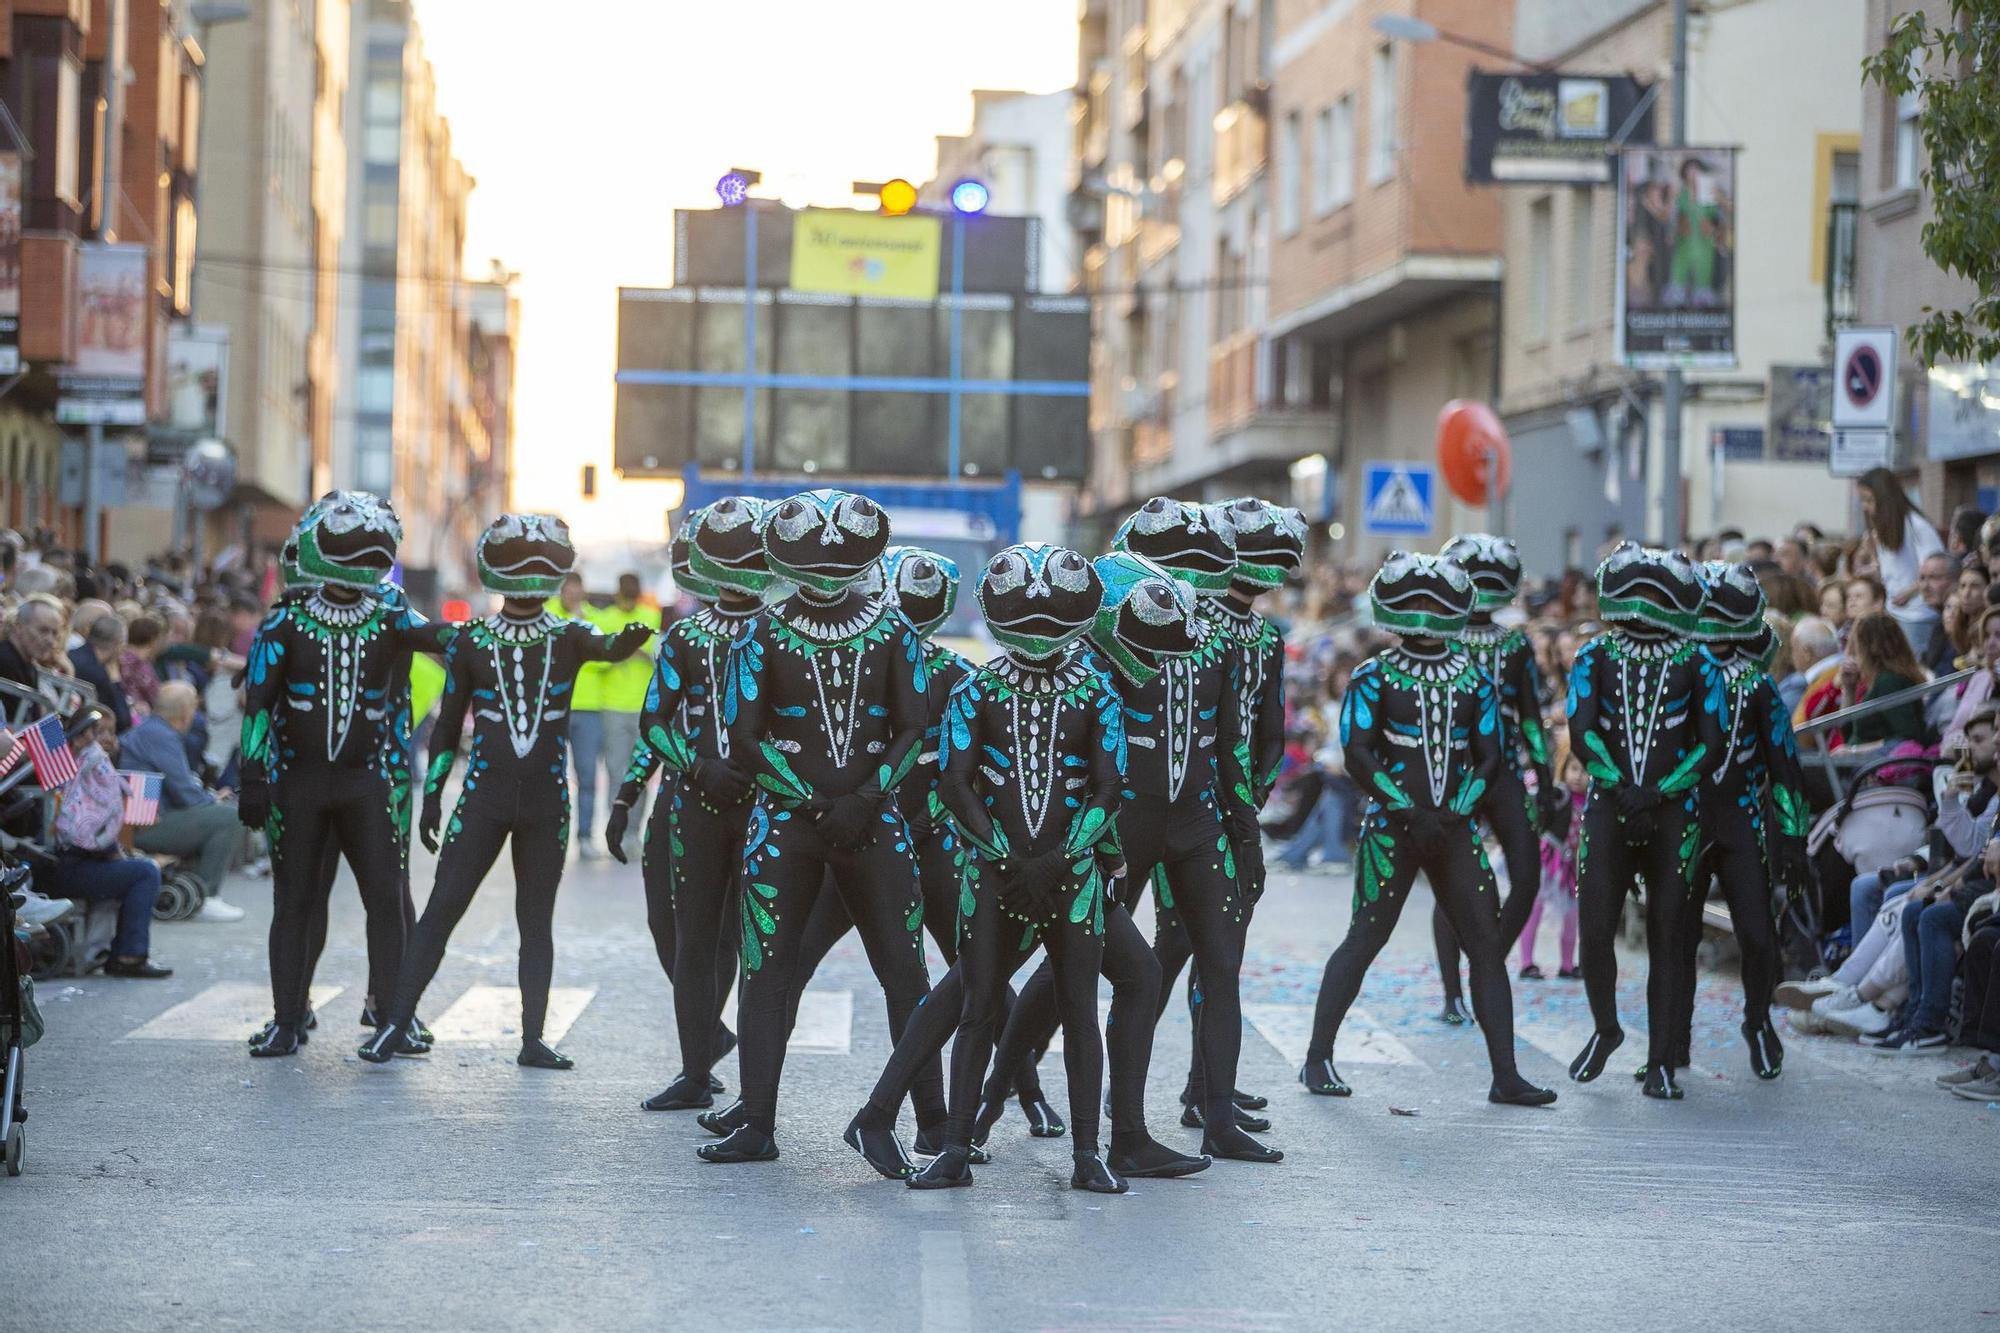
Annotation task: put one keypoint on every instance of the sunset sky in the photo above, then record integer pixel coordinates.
(586, 130)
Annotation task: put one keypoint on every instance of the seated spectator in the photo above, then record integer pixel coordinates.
(89, 862)
(1879, 663)
(145, 637)
(1937, 586)
(1792, 558)
(1961, 536)
(1815, 657)
(1963, 609)
(1865, 596)
(33, 642)
(1931, 926)
(97, 664)
(193, 821)
(1978, 691)
(1833, 603)
(1325, 831)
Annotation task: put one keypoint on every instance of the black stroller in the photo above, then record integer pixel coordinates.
(14, 1033)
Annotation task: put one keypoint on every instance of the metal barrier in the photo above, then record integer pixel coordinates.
(1831, 762)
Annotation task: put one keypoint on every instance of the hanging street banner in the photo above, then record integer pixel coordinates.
(865, 254)
(1551, 129)
(1676, 288)
(106, 385)
(10, 263)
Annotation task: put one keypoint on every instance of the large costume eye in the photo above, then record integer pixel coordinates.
(728, 514)
(921, 575)
(1156, 516)
(794, 519)
(1006, 572)
(859, 515)
(345, 516)
(1155, 603)
(1069, 571)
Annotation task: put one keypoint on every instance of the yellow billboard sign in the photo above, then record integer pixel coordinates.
(865, 254)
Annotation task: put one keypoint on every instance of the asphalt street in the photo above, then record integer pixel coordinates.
(173, 1182)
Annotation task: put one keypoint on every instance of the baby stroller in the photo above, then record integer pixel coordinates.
(1885, 815)
(19, 1025)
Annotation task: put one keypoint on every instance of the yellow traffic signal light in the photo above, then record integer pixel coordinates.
(898, 197)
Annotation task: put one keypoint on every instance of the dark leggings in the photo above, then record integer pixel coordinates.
(1738, 861)
(316, 945)
(1611, 858)
(536, 822)
(1464, 886)
(1199, 898)
(937, 876)
(1505, 807)
(693, 914)
(784, 864)
(321, 815)
(1982, 990)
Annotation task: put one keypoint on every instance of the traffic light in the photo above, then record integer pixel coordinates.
(897, 197)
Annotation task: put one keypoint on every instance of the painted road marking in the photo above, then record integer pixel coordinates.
(1363, 1041)
(226, 1011)
(825, 1026)
(491, 1015)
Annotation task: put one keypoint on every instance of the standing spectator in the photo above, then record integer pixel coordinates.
(622, 685)
(192, 822)
(1879, 664)
(90, 864)
(1937, 584)
(1901, 537)
(586, 723)
(97, 664)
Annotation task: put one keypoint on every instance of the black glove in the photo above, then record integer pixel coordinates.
(1631, 800)
(1250, 868)
(1790, 865)
(630, 639)
(615, 825)
(1029, 892)
(253, 804)
(427, 823)
(1556, 811)
(847, 820)
(721, 781)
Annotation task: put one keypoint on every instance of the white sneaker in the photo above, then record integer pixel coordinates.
(35, 910)
(1808, 1021)
(214, 909)
(1846, 997)
(1801, 994)
(1863, 1020)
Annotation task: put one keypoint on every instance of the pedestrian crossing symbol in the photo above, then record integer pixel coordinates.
(1396, 499)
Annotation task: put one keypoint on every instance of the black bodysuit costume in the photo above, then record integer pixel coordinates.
(1648, 729)
(325, 748)
(1420, 727)
(513, 671)
(825, 698)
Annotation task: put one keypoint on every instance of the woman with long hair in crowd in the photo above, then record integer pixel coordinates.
(1879, 663)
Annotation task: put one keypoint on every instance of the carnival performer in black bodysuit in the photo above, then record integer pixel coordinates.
(325, 751)
(513, 671)
(825, 699)
(1145, 617)
(1031, 752)
(1753, 812)
(694, 841)
(1506, 656)
(1649, 729)
(1270, 546)
(1421, 730)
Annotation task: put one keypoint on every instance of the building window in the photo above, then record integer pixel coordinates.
(1907, 107)
(1290, 167)
(1541, 244)
(1382, 116)
(1582, 255)
(69, 126)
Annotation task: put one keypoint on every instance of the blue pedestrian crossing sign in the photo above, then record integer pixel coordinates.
(1396, 499)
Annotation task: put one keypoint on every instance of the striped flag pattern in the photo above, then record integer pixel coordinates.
(48, 748)
(142, 798)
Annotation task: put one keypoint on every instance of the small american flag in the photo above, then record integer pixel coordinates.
(45, 744)
(142, 798)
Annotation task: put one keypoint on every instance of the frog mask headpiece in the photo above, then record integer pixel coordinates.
(824, 540)
(923, 585)
(348, 537)
(1647, 585)
(525, 555)
(1038, 598)
(1270, 542)
(1494, 564)
(1734, 609)
(1146, 615)
(1193, 542)
(726, 548)
(1425, 596)
(680, 559)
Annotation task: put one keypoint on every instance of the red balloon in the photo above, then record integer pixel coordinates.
(1473, 452)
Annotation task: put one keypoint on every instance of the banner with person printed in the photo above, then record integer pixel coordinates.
(1676, 278)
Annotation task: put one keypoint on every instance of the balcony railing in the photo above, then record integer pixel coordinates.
(1840, 256)
(1232, 382)
(1240, 149)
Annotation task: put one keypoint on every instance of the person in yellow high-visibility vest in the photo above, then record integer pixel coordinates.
(617, 690)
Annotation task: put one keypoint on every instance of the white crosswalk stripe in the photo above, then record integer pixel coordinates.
(1363, 1041)
(825, 1026)
(491, 1015)
(1561, 1041)
(226, 1011)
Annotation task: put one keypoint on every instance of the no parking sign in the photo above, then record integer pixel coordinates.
(1864, 387)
